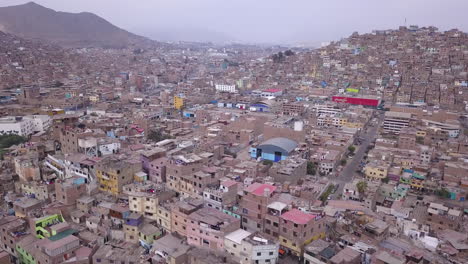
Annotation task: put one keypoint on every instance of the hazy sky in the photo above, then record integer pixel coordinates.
(265, 21)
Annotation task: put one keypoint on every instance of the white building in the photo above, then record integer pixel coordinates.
(452, 127)
(395, 121)
(107, 148)
(41, 122)
(17, 125)
(75, 165)
(248, 248)
(271, 93)
(226, 88)
(326, 109)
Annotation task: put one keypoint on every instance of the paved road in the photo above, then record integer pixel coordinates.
(346, 175)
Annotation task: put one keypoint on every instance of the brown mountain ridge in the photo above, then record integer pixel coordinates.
(33, 21)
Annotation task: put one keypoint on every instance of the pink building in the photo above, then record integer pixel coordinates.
(207, 227)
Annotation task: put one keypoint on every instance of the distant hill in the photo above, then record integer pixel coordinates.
(33, 21)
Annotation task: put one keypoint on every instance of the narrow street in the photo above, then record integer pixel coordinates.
(346, 175)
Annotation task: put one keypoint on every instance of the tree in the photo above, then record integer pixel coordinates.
(289, 53)
(351, 149)
(361, 186)
(157, 136)
(279, 57)
(443, 193)
(343, 162)
(8, 140)
(327, 193)
(311, 168)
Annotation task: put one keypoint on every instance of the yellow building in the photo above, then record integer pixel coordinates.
(178, 102)
(297, 249)
(349, 124)
(93, 98)
(421, 133)
(143, 202)
(375, 171)
(163, 217)
(339, 121)
(113, 174)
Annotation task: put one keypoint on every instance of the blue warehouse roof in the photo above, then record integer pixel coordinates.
(286, 144)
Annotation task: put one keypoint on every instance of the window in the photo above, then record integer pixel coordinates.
(234, 245)
(295, 233)
(285, 230)
(259, 254)
(271, 253)
(295, 225)
(244, 220)
(98, 260)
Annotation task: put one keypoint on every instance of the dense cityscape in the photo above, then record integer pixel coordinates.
(353, 152)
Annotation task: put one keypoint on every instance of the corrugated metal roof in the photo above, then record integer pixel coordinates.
(284, 143)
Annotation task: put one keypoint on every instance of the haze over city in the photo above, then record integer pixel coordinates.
(233, 132)
(265, 21)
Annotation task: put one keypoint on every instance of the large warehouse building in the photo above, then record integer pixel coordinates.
(274, 149)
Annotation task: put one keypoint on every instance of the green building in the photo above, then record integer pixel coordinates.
(41, 225)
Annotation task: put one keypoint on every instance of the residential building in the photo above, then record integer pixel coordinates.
(226, 88)
(298, 229)
(144, 198)
(69, 190)
(253, 205)
(18, 125)
(207, 227)
(250, 248)
(180, 214)
(394, 122)
(113, 173)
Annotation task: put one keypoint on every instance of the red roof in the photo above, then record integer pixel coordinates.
(272, 90)
(259, 189)
(297, 216)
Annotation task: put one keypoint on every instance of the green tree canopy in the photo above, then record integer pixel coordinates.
(311, 168)
(361, 186)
